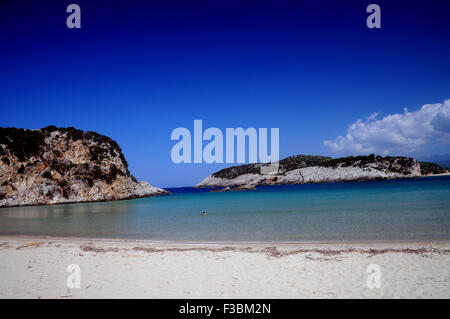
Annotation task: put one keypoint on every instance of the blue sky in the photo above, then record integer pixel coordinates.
(136, 70)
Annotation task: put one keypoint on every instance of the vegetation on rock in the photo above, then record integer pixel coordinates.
(427, 168)
(397, 164)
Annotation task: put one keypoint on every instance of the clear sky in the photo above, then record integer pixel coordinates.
(136, 70)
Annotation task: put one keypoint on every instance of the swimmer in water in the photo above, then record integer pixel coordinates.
(204, 213)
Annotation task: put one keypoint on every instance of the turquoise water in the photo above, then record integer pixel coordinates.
(411, 209)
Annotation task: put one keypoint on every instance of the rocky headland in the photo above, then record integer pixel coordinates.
(305, 169)
(64, 165)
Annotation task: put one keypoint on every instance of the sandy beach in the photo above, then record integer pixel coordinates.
(36, 267)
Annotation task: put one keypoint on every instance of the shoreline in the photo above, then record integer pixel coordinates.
(176, 243)
(37, 267)
(93, 201)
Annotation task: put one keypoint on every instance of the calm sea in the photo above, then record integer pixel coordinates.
(410, 209)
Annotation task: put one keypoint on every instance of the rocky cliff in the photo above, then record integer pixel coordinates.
(302, 169)
(64, 165)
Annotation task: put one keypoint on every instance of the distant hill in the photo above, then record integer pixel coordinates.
(301, 169)
(445, 164)
(428, 168)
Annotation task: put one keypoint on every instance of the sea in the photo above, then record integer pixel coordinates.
(412, 209)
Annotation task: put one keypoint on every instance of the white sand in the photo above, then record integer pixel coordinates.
(32, 267)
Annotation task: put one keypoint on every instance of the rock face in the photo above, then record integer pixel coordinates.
(64, 165)
(303, 169)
